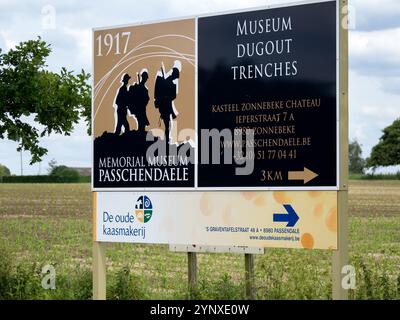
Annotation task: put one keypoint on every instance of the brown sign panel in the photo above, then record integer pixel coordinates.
(143, 95)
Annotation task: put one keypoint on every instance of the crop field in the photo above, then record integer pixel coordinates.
(51, 224)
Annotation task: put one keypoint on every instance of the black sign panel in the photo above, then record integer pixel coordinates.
(273, 71)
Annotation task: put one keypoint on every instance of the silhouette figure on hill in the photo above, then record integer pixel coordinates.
(139, 98)
(122, 102)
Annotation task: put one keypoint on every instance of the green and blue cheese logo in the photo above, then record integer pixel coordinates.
(143, 209)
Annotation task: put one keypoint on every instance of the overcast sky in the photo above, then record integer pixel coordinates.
(374, 58)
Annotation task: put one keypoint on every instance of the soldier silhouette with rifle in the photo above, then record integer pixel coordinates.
(164, 94)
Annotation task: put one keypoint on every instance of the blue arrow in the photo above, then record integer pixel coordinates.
(290, 217)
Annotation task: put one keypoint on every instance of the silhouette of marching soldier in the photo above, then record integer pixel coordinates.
(139, 96)
(122, 102)
(164, 94)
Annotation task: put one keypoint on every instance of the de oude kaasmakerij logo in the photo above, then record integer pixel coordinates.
(143, 209)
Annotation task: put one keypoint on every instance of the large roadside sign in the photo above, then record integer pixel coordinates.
(222, 129)
(245, 100)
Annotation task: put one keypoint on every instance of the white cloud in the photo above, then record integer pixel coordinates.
(7, 40)
(377, 8)
(376, 47)
(389, 112)
(370, 109)
(376, 15)
(391, 85)
(83, 40)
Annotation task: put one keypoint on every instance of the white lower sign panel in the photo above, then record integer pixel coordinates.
(277, 219)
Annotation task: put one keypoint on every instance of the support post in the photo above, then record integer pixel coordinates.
(249, 276)
(340, 256)
(192, 272)
(99, 271)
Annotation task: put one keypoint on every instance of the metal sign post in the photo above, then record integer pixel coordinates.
(340, 256)
(99, 260)
(99, 271)
(249, 276)
(249, 253)
(192, 272)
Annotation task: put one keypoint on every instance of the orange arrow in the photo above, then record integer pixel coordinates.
(306, 175)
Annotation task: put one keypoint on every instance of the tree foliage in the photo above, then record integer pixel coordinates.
(35, 102)
(65, 174)
(387, 151)
(356, 161)
(4, 171)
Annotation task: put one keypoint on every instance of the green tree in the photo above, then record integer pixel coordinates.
(55, 101)
(65, 174)
(356, 161)
(4, 171)
(387, 151)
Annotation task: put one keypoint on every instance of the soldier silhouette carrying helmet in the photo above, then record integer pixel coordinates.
(122, 102)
